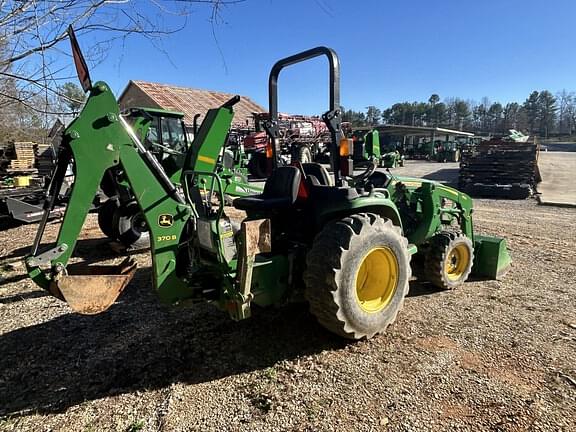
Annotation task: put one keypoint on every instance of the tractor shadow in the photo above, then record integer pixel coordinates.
(22, 297)
(8, 223)
(422, 288)
(447, 176)
(139, 344)
(11, 279)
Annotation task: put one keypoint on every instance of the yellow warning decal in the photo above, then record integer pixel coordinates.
(411, 183)
(206, 159)
(450, 191)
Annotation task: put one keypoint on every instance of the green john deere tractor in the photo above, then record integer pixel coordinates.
(163, 133)
(344, 242)
(366, 142)
(448, 151)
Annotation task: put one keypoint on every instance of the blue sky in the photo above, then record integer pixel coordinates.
(390, 51)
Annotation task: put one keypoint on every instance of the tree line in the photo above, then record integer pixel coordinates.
(542, 113)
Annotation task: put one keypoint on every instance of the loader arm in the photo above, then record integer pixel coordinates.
(431, 196)
(426, 198)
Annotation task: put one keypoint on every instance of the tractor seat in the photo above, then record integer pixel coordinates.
(316, 170)
(280, 191)
(321, 188)
(332, 193)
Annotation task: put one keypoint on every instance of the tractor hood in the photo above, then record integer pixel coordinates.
(491, 257)
(414, 183)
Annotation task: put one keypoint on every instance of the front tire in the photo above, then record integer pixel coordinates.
(357, 275)
(106, 218)
(257, 165)
(449, 260)
(132, 229)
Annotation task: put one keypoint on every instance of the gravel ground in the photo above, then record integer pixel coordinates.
(489, 356)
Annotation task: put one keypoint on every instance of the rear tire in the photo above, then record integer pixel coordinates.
(131, 227)
(106, 218)
(357, 275)
(449, 260)
(257, 165)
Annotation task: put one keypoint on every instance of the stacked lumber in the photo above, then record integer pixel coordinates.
(498, 168)
(25, 157)
(44, 159)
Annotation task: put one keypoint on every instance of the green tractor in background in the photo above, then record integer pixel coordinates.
(448, 151)
(342, 242)
(163, 134)
(367, 146)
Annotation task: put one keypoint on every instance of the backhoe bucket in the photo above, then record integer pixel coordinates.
(491, 257)
(90, 290)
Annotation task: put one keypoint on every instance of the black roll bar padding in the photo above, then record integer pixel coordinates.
(231, 102)
(332, 117)
(195, 124)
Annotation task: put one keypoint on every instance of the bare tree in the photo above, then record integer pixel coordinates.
(565, 102)
(32, 34)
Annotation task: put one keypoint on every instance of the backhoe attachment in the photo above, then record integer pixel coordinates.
(96, 141)
(92, 143)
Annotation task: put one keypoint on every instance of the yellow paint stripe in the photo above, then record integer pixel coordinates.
(206, 159)
(450, 191)
(411, 183)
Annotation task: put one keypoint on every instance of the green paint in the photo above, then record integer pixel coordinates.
(209, 140)
(164, 241)
(421, 200)
(95, 148)
(270, 280)
(491, 257)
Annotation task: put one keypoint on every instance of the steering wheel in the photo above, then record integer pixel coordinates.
(370, 169)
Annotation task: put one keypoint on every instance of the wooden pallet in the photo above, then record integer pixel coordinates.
(487, 166)
(44, 150)
(24, 150)
(21, 170)
(22, 163)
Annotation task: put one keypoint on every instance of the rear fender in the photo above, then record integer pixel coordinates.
(379, 205)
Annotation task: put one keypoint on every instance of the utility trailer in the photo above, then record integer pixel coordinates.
(25, 168)
(24, 204)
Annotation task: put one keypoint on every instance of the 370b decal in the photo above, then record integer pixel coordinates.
(166, 238)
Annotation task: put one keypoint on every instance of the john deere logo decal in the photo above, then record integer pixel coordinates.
(165, 220)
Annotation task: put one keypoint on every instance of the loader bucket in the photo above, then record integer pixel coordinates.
(491, 257)
(93, 289)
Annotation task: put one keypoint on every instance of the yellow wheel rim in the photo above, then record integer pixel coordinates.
(457, 262)
(376, 279)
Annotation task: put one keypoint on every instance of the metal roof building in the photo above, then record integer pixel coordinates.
(190, 101)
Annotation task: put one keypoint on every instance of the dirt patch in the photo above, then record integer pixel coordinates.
(493, 355)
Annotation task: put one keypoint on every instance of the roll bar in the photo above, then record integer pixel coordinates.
(332, 117)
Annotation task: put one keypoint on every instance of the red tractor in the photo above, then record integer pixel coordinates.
(302, 138)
